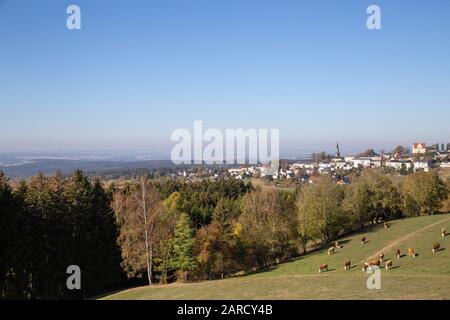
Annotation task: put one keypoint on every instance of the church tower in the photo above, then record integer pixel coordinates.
(338, 153)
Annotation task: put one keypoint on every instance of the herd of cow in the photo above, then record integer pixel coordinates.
(378, 262)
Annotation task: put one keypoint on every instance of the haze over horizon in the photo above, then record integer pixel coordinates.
(134, 73)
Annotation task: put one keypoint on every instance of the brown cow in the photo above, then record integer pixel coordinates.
(347, 265)
(323, 267)
(381, 256)
(374, 262)
(388, 264)
(443, 233)
(411, 252)
(363, 240)
(337, 245)
(436, 247)
(386, 225)
(397, 253)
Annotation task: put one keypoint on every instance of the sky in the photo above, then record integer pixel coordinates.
(138, 70)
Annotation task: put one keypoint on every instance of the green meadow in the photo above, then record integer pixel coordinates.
(425, 277)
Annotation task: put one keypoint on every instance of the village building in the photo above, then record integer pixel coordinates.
(419, 148)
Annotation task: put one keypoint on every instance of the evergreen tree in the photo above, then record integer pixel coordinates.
(13, 278)
(183, 244)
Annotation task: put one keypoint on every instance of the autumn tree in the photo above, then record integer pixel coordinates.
(215, 243)
(265, 228)
(370, 197)
(140, 231)
(423, 193)
(319, 210)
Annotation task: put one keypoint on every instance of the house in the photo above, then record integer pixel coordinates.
(340, 164)
(445, 165)
(349, 159)
(397, 164)
(375, 161)
(419, 148)
(363, 162)
(423, 165)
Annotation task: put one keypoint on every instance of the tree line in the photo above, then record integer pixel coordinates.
(163, 230)
(49, 223)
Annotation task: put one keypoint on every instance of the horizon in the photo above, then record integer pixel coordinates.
(158, 155)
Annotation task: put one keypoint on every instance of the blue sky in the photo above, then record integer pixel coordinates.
(137, 70)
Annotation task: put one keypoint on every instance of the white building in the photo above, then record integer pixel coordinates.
(397, 164)
(445, 165)
(363, 162)
(422, 165)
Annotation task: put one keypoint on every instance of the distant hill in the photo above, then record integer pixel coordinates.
(24, 169)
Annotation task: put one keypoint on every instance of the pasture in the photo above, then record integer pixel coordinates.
(425, 277)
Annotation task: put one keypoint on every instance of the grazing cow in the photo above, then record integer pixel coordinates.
(323, 267)
(347, 265)
(363, 240)
(443, 233)
(381, 256)
(331, 251)
(436, 247)
(337, 245)
(371, 263)
(388, 264)
(411, 252)
(397, 253)
(386, 225)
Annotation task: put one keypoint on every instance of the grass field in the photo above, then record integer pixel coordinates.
(425, 277)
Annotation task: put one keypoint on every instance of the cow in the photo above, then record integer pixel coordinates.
(323, 267)
(388, 264)
(331, 251)
(381, 256)
(386, 225)
(443, 233)
(347, 265)
(337, 245)
(411, 252)
(436, 247)
(363, 240)
(371, 263)
(397, 253)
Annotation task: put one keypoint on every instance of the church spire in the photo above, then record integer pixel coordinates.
(338, 153)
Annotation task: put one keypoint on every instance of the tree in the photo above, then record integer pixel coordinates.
(266, 228)
(356, 204)
(321, 157)
(423, 193)
(371, 197)
(319, 211)
(164, 259)
(183, 243)
(215, 246)
(368, 153)
(400, 150)
(13, 262)
(140, 230)
(403, 170)
(89, 232)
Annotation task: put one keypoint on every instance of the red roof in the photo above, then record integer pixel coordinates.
(423, 145)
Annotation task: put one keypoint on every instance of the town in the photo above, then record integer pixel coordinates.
(401, 160)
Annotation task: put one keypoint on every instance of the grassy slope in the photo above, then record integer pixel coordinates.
(424, 277)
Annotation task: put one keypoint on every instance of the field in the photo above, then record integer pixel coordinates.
(425, 277)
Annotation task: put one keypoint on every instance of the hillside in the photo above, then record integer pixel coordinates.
(425, 277)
